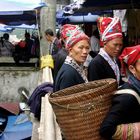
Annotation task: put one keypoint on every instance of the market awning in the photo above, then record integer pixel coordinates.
(68, 15)
(23, 26)
(15, 12)
(19, 5)
(76, 18)
(92, 5)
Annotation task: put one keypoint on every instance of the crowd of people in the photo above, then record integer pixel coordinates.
(24, 49)
(70, 52)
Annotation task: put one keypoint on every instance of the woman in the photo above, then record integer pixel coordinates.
(77, 44)
(104, 65)
(122, 121)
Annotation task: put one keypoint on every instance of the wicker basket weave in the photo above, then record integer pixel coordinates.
(80, 109)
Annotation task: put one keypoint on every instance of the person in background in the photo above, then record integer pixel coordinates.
(95, 47)
(6, 47)
(59, 59)
(95, 43)
(104, 65)
(123, 120)
(35, 52)
(55, 44)
(77, 43)
(28, 44)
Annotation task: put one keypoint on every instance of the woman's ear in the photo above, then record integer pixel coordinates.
(70, 51)
(132, 69)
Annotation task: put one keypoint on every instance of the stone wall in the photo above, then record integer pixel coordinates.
(11, 81)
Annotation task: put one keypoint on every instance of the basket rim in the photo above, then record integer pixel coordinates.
(112, 81)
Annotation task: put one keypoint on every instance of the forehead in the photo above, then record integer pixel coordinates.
(116, 41)
(82, 43)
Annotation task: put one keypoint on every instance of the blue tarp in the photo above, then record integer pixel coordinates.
(76, 18)
(23, 26)
(18, 128)
(3, 28)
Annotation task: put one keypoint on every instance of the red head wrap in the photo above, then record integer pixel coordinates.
(109, 28)
(71, 34)
(129, 56)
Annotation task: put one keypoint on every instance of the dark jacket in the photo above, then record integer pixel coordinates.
(56, 47)
(35, 99)
(59, 59)
(125, 109)
(67, 77)
(99, 68)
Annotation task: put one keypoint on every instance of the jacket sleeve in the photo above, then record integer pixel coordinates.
(117, 114)
(93, 71)
(128, 131)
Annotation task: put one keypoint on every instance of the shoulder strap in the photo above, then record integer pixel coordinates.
(129, 91)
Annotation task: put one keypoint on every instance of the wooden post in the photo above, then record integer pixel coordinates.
(47, 20)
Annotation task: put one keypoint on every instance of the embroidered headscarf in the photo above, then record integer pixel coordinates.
(129, 56)
(109, 28)
(71, 34)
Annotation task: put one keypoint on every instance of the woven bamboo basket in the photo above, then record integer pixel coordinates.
(80, 109)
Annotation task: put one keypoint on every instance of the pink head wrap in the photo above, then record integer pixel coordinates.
(71, 34)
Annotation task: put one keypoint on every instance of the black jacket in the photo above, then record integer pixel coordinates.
(99, 68)
(125, 109)
(67, 77)
(59, 59)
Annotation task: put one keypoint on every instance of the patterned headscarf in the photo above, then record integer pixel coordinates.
(129, 56)
(71, 34)
(109, 28)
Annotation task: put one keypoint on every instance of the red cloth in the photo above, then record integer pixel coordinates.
(22, 44)
(11, 107)
(129, 56)
(109, 28)
(71, 34)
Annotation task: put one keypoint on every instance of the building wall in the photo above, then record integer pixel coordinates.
(11, 81)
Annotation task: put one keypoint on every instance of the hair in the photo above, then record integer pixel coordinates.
(6, 36)
(49, 32)
(96, 33)
(58, 34)
(27, 35)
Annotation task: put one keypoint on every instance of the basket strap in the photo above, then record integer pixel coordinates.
(129, 91)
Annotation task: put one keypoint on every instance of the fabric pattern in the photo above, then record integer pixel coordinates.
(77, 67)
(127, 132)
(119, 124)
(71, 34)
(129, 56)
(109, 28)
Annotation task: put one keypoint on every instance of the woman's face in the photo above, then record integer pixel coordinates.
(135, 70)
(113, 47)
(80, 51)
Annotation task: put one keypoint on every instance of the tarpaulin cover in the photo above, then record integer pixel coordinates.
(17, 12)
(18, 128)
